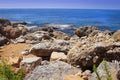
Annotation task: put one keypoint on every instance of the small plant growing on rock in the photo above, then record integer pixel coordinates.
(107, 72)
(6, 72)
(96, 72)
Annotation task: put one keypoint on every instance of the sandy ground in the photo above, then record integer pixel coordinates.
(13, 49)
(12, 53)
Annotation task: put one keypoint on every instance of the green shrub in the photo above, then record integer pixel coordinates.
(6, 72)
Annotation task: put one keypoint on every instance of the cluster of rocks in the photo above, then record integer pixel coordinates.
(11, 30)
(54, 53)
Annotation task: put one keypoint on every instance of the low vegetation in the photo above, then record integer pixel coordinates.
(7, 73)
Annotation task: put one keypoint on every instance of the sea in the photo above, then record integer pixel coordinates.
(103, 19)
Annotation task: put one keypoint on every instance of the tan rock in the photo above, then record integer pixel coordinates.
(61, 35)
(73, 77)
(58, 56)
(14, 60)
(116, 35)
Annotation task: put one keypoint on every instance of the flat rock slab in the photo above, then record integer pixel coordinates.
(54, 71)
(30, 63)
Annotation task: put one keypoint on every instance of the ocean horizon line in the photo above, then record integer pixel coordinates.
(64, 8)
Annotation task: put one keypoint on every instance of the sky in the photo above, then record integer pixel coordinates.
(68, 4)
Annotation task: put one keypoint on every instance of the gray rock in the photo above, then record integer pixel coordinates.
(20, 39)
(112, 68)
(38, 36)
(45, 48)
(3, 40)
(118, 75)
(54, 71)
(30, 63)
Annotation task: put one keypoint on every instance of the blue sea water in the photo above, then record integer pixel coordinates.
(104, 19)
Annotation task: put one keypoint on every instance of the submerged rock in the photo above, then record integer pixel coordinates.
(54, 71)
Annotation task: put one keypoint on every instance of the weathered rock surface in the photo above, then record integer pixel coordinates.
(116, 35)
(61, 35)
(4, 22)
(58, 56)
(45, 48)
(20, 39)
(112, 69)
(73, 77)
(54, 71)
(3, 40)
(10, 32)
(92, 50)
(84, 31)
(30, 63)
(38, 36)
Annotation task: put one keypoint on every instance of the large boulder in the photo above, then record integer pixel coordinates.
(45, 48)
(93, 50)
(11, 32)
(54, 71)
(3, 40)
(84, 31)
(105, 69)
(116, 35)
(4, 22)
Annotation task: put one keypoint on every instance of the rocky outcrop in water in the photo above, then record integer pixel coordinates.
(84, 31)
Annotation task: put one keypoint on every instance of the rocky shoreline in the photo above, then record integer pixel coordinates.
(47, 54)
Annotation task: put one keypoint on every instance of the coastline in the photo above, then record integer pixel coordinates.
(46, 51)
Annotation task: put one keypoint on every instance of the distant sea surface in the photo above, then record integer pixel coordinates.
(104, 19)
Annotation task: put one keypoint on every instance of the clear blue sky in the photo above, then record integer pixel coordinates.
(82, 4)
